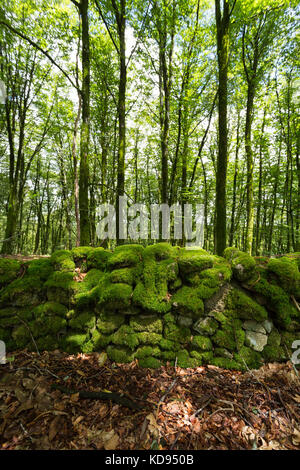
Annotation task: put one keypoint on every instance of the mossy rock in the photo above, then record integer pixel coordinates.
(114, 296)
(231, 336)
(86, 291)
(84, 321)
(120, 354)
(168, 345)
(149, 338)
(204, 357)
(100, 340)
(225, 363)
(252, 358)
(50, 309)
(46, 343)
(188, 302)
(243, 265)
(47, 325)
(21, 335)
(62, 260)
(185, 360)
(81, 252)
(74, 341)
(8, 312)
(222, 352)
(23, 292)
(168, 355)
(177, 334)
(160, 251)
(149, 323)
(287, 273)
(108, 323)
(216, 276)
(9, 269)
(125, 276)
(147, 351)
(125, 256)
(40, 268)
(5, 334)
(244, 306)
(150, 362)
(125, 336)
(206, 326)
(98, 259)
(201, 343)
(274, 353)
(191, 261)
(62, 286)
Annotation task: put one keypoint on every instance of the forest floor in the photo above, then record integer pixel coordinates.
(179, 409)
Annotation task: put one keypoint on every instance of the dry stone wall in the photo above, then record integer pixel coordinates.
(154, 304)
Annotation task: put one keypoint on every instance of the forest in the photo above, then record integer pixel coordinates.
(164, 102)
(149, 226)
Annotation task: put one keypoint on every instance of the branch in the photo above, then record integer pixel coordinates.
(106, 25)
(34, 44)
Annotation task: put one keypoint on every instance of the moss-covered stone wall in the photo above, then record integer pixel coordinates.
(154, 304)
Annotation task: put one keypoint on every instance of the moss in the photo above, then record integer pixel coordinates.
(125, 275)
(62, 260)
(9, 269)
(73, 341)
(159, 251)
(274, 338)
(7, 312)
(184, 360)
(273, 353)
(191, 261)
(202, 357)
(85, 321)
(22, 292)
(125, 336)
(21, 336)
(114, 296)
(9, 322)
(125, 256)
(177, 334)
(50, 309)
(98, 258)
(168, 345)
(169, 318)
(168, 355)
(120, 354)
(287, 272)
(231, 336)
(201, 343)
(219, 316)
(287, 339)
(149, 362)
(225, 363)
(81, 252)
(46, 343)
(148, 338)
(222, 352)
(100, 340)
(40, 268)
(147, 351)
(86, 295)
(246, 355)
(188, 302)
(149, 323)
(5, 334)
(243, 265)
(63, 280)
(215, 277)
(206, 326)
(174, 285)
(108, 323)
(245, 307)
(47, 325)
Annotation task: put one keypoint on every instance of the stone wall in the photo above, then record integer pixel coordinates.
(154, 304)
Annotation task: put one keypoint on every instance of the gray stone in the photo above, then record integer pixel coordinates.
(268, 325)
(251, 325)
(256, 341)
(206, 326)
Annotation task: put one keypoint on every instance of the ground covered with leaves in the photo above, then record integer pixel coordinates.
(178, 409)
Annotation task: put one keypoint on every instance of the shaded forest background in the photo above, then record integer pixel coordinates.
(163, 101)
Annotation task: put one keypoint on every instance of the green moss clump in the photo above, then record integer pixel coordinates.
(125, 336)
(120, 354)
(98, 258)
(40, 268)
(62, 260)
(149, 362)
(168, 345)
(287, 272)
(147, 351)
(125, 275)
(169, 318)
(22, 292)
(202, 343)
(222, 352)
(114, 296)
(177, 334)
(206, 326)
(188, 302)
(184, 360)
(86, 295)
(50, 309)
(46, 343)
(245, 307)
(62, 280)
(246, 355)
(149, 338)
(243, 265)
(159, 251)
(202, 357)
(225, 363)
(231, 336)
(125, 256)
(274, 338)
(150, 323)
(9, 269)
(191, 261)
(168, 355)
(85, 321)
(100, 340)
(47, 325)
(215, 277)
(21, 336)
(73, 341)
(81, 252)
(108, 323)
